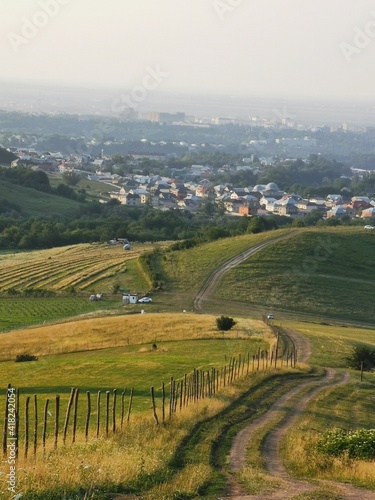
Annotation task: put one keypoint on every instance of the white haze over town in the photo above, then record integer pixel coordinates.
(292, 49)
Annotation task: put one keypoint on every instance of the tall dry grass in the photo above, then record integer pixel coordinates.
(133, 454)
(113, 331)
(302, 457)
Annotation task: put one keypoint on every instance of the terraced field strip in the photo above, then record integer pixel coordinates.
(84, 265)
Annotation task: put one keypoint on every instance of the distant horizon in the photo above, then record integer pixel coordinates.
(23, 96)
(186, 92)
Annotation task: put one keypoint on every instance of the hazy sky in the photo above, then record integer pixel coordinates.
(281, 48)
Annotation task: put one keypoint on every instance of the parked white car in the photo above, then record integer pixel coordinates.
(369, 227)
(144, 300)
(270, 316)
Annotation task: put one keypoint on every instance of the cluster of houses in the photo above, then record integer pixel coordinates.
(264, 200)
(190, 192)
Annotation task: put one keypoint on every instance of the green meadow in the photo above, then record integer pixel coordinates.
(325, 273)
(328, 272)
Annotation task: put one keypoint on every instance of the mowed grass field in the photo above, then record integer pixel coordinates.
(328, 272)
(87, 267)
(73, 273)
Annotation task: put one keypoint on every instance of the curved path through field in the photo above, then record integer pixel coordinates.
(216, 275)
(299, 395)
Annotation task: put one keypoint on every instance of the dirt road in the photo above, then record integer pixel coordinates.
(300, 395)
(214, 278)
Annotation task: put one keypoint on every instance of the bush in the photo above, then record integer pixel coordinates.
(225, 323)
(361, 356)
(21, 358)
(355, 444)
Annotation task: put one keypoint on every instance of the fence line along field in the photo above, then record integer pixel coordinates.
(79, 266)
(134, 352)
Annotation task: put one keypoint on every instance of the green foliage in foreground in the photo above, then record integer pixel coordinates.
(355, 444)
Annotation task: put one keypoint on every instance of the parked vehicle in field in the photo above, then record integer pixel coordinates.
(270, 316)
(144, 300)
(369, 227)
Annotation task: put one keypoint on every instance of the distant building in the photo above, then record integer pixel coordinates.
(167, 117)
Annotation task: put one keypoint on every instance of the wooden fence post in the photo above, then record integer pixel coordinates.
(154, 406)
(163, 403)
(130, 404)
(107, 394)
(171, 397)
(276, 349)
(178, 389)
(68, 409)
(114, 411)
(87, 422)
(27, 426)
(122, 407)
(45, 415)
(185, 389)
(98, 415)
(181, 393)
(35, 423)
(57, 412)
(75, 412)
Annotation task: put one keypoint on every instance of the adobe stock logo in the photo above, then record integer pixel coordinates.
(31, 26)
(361, 40)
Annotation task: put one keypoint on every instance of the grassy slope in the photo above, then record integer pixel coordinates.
(106, 353)
(188, 266)
(328, 272)
(34, 203)
(185, 271)
(332, 343)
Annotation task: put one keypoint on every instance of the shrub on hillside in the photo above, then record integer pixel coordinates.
(361, 356)
(21, 358)
(225, 323)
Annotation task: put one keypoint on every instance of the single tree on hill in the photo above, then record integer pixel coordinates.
(225, 323)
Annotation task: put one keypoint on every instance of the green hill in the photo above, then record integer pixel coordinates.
(37, 203)
(329, 272)
(326, 271)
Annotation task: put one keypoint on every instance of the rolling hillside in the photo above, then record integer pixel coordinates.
(322, 271)
(34, 203)
(328, 272)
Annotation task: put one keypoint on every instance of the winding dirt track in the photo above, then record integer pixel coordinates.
(301, 395)
(216, 275)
